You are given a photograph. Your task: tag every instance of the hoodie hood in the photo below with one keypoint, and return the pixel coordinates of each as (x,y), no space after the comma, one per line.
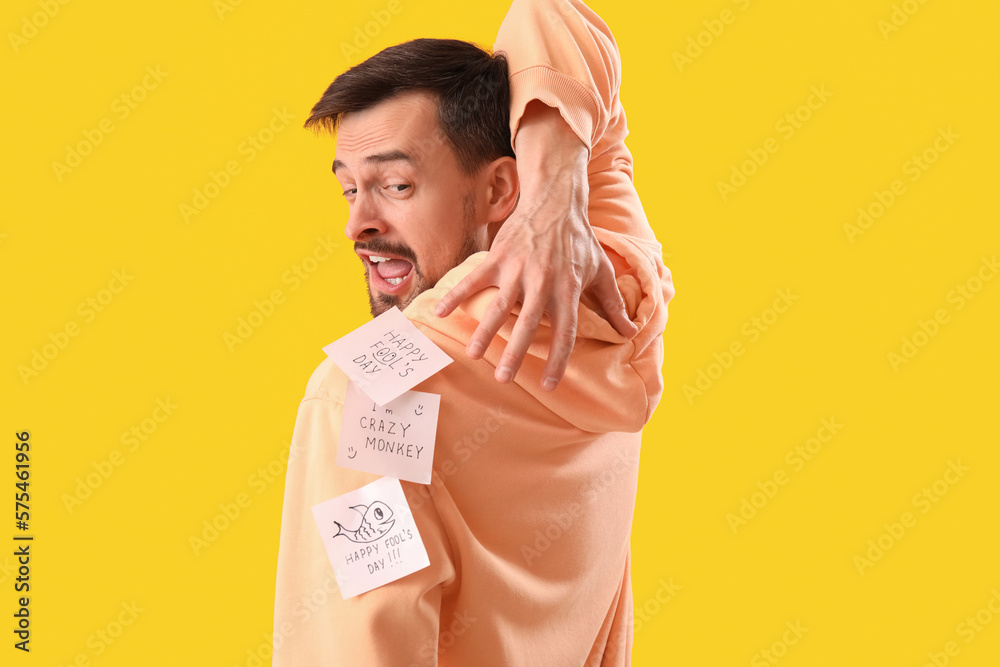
(611,383)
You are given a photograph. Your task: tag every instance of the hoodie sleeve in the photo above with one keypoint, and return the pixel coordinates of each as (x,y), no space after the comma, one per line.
(396,624)
(563,54)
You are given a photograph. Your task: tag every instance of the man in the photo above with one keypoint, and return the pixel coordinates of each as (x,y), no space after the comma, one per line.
(527,519)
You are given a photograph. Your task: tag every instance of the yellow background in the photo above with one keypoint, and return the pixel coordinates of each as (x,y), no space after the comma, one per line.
(162,336)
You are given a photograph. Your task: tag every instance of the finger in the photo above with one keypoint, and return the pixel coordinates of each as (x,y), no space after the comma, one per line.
(564,322)
(496,315)
(482,276)
(524,332)
(605,289)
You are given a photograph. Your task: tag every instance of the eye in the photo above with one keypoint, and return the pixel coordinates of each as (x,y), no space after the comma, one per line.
(350,192)
(378,513)
(398,187)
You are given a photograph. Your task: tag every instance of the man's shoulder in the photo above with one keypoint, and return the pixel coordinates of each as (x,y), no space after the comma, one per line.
(461,323)
(327,381)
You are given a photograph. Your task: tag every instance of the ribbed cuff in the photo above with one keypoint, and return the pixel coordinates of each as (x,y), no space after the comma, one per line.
(575,103)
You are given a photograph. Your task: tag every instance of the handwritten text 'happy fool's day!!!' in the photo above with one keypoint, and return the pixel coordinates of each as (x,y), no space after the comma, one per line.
(370,537)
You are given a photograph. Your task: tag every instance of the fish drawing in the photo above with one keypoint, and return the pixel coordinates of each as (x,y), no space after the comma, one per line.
(376,521)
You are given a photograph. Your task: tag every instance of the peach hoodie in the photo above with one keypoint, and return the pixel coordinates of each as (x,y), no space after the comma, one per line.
(527,518)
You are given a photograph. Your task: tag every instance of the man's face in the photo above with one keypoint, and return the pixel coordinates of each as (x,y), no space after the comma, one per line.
(412,210)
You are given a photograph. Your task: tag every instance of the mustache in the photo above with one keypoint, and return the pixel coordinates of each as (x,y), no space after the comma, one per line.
(380,246)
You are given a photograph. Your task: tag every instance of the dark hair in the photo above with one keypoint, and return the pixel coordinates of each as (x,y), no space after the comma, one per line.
(471,85)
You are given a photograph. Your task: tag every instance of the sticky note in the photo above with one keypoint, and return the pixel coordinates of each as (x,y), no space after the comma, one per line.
(395,439)
(370,537)
(387,356)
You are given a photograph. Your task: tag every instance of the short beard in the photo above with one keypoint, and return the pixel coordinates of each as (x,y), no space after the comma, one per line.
(378,302)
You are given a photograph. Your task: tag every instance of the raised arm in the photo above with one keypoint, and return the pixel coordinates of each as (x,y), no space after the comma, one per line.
(564,73)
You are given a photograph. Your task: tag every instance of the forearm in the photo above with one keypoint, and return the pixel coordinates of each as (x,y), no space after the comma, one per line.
(551,162)
(546,146)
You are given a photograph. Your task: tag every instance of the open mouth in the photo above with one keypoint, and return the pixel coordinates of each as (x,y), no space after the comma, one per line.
(390,275)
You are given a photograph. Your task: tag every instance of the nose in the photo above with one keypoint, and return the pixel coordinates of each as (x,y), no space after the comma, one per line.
(365,220)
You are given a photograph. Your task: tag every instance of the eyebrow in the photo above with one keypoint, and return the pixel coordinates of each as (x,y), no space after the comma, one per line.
(378,158)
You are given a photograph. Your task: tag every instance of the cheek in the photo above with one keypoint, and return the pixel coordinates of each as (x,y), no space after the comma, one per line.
(434,232)
(435,226)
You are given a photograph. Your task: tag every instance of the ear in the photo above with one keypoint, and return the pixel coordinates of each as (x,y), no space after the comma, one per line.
(502,190)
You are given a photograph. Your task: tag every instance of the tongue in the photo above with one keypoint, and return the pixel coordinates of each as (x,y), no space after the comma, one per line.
(393,268)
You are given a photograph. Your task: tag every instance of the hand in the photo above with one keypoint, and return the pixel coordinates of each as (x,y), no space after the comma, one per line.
(545,256)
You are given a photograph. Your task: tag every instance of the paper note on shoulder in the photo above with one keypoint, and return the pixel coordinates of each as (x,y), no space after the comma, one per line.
(395,439)
(387,356)
(370,537)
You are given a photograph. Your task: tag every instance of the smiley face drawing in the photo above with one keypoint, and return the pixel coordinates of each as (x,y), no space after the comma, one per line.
(351,453)
(419,410)
(376,521)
